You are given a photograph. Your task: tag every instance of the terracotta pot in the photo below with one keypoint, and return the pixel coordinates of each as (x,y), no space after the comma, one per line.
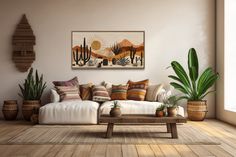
(115,112)
(159,113)
(172,111)
(10,109)
(28,107)
(197,110)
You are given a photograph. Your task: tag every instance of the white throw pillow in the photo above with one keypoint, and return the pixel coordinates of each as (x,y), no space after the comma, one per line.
(54,96)
(153,91)
(163,95)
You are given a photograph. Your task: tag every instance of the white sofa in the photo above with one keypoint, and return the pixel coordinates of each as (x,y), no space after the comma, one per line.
(69,112)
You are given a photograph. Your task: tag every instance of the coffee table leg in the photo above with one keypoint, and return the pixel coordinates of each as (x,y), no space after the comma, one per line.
(168,127)
(174,133)
(109,130)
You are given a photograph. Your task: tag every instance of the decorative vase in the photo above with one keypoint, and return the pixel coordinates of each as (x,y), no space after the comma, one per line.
(197,110)
(159,113)
(10,109)
(115,112)
(28,107)
(172,111)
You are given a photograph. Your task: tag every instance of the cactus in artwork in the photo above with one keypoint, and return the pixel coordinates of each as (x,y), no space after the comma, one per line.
(132,53)
(116,49)
(85,54)
(139,59)
(123,61)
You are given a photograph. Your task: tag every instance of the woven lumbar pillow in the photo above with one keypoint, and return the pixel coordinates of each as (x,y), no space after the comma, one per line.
(137,90)
(119,92)
(68,93)
(100,93)
(153,91)
(86,91)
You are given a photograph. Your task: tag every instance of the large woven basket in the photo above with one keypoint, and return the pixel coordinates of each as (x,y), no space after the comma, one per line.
(197,110)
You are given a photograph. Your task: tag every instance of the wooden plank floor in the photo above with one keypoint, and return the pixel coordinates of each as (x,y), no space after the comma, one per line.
(223,132)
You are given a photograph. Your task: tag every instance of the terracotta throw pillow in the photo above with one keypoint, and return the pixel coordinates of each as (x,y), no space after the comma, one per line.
(100,93)
(68,93)
(153,91)
(119,92)
(72,82)
(137,90)
(86,91)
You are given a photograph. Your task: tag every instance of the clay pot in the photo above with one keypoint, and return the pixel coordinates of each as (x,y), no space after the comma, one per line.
(10,109)
(159,113)
(172,111)
(28,107)
(115,112)
(197,110)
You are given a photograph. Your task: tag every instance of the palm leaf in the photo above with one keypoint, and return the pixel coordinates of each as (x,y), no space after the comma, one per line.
(193,64)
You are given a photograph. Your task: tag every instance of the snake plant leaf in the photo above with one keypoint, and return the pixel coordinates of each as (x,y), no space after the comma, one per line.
(209,83)
(193,64)
(180,72)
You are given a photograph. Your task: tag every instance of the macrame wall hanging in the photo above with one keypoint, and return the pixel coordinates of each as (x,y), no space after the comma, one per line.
(23,42)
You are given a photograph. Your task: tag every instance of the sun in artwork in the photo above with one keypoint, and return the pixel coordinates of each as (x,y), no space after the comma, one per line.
(96,45)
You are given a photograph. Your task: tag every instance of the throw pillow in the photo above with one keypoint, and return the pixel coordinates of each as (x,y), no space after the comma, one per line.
(100,93)
(108,86)
(86,91)
(137,90)
(73,82)
(119,92)
(54,96)
(68,93)
(153,91)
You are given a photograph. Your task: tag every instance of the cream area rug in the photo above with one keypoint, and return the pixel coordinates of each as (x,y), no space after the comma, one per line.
(122,134)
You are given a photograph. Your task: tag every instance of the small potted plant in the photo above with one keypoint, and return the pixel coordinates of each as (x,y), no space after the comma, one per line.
(115,110)
(172,107)
(31,92)
(160,111)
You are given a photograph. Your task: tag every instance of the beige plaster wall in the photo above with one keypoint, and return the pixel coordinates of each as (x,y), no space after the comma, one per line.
(171,27)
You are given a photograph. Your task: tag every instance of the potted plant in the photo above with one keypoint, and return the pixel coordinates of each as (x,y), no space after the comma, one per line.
(193,87)
(172,106)
(115,110)
(31,92)
(160,111)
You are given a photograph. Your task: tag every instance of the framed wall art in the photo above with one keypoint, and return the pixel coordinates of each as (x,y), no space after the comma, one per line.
(108,50)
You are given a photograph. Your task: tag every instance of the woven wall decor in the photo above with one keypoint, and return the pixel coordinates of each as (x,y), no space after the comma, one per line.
(23,42)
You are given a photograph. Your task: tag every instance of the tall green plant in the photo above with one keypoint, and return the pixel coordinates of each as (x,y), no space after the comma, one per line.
(192,86)
(33,87)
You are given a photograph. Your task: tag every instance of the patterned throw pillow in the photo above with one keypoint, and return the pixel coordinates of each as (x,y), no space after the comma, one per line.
(68,93)
(72,82)
(153,91)
(137,90)
(86,91)
(100,93)
(119,92)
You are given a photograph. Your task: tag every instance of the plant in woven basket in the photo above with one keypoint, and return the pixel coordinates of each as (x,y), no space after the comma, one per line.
(193,86)
(31,92)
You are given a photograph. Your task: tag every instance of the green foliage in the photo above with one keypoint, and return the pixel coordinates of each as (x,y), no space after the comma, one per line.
(192,86)
(33,87)
(116,104)
(161,107)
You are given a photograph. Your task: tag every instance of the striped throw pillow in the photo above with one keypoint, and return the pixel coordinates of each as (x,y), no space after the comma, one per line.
(86,91)
(137,90)
(119,92)
(100,93)
(68,93)
(72,82)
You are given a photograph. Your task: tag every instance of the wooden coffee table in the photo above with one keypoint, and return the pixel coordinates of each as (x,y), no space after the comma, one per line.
(132,119)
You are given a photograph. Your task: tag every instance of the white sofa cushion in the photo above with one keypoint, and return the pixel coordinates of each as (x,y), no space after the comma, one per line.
(135,107)
(54,96)
(69,112)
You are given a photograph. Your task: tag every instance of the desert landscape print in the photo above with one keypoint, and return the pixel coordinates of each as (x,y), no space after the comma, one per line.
(108,49)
